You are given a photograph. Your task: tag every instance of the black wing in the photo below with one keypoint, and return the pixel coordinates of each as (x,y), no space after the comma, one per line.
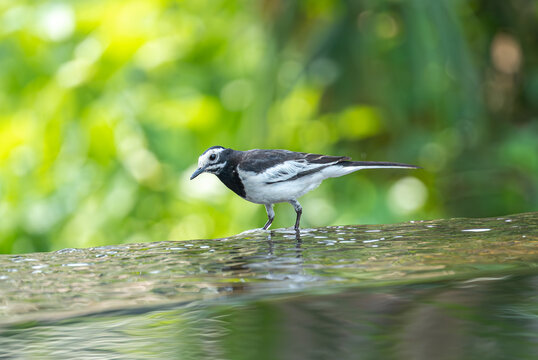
(260,160)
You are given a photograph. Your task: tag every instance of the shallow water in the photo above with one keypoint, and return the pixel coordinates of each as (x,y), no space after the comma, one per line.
(447,289)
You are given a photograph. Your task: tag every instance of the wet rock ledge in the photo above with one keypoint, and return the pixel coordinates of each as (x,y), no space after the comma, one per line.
(134,277)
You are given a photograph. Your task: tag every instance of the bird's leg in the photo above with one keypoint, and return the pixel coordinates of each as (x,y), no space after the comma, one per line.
(270,215)
(298,210)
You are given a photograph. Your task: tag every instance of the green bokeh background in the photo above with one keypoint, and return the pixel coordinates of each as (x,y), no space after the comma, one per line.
(106,105)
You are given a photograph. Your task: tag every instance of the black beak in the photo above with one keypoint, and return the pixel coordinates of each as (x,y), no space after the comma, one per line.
(197,172)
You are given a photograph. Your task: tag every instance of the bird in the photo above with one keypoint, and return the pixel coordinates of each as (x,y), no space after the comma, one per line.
(275,176)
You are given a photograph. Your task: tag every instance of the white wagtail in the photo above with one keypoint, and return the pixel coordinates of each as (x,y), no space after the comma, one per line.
(274,176)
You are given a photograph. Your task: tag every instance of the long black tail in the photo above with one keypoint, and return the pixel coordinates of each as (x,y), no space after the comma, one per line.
(378,164)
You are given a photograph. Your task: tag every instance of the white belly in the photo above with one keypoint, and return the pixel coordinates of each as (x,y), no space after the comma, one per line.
(257,191)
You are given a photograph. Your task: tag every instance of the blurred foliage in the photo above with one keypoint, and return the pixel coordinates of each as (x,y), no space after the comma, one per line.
(106,106)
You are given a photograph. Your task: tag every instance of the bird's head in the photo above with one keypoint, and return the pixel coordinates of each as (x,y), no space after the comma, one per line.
(212,161)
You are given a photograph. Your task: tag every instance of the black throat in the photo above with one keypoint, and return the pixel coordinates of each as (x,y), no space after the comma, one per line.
(229,175)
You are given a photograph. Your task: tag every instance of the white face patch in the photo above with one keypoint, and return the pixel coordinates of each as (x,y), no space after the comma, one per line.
(211,161)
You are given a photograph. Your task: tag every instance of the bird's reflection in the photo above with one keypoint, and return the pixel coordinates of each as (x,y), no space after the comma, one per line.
(271,244)
(276,256)
(298,243)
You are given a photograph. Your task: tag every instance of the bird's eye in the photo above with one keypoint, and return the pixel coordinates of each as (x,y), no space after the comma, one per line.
(212,157)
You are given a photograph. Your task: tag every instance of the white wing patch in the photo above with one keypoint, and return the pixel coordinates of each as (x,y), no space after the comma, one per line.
(288,170)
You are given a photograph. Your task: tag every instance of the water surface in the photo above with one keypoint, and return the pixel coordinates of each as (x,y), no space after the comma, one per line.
(453,289)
